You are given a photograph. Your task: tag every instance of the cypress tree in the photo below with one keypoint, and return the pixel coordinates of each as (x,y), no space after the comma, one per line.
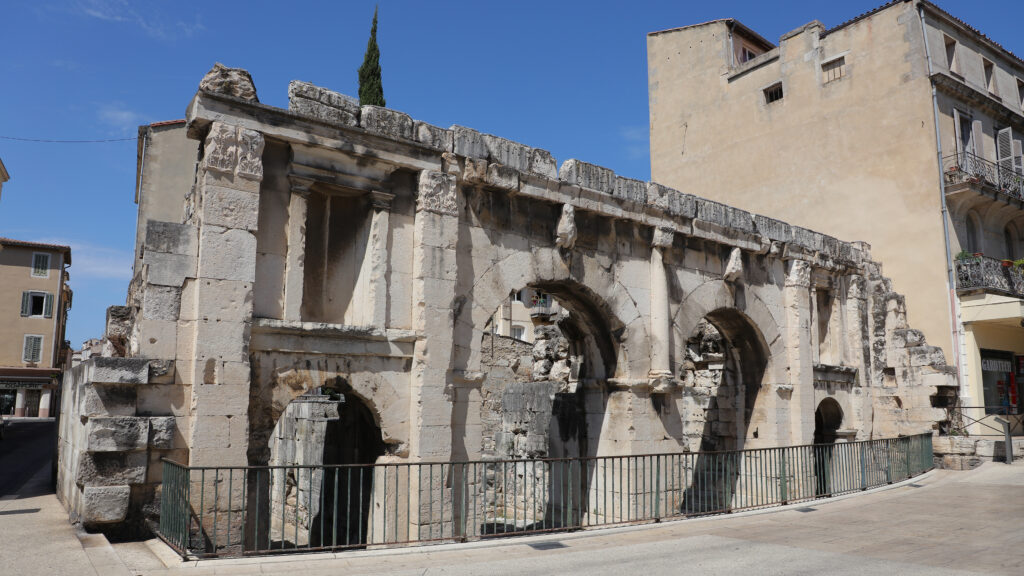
(371,90)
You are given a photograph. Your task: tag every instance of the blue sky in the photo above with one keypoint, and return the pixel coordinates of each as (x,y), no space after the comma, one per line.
(566,76)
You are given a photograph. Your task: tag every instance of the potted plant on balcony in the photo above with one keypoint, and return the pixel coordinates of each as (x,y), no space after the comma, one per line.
(1019,263)
(1007,263)
(964,256)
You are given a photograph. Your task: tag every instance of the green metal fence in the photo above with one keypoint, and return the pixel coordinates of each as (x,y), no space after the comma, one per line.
(232,511)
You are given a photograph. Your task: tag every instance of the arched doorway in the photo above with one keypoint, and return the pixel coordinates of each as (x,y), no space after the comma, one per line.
(828,418)
(726,360)
(352,445)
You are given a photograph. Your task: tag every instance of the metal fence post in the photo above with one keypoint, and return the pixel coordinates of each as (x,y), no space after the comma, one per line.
(782,477)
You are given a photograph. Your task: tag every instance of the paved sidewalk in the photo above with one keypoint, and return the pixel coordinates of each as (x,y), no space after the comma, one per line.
(943,523)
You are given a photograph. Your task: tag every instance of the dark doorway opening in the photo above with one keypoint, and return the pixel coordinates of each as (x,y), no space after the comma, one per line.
(827,420)
(352,445)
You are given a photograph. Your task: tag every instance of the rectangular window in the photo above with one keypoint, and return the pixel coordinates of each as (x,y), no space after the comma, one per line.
(33,349)
(773,93)
(964,131)
(951,60)
(1020,93)
(37,304)
(518,332)
(999,384)
(990,77)
(746,54)
(833,69)
(40,265)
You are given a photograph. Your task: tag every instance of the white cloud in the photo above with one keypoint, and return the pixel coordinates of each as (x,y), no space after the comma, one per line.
(117,116)
(94,261)
(122,11)
(636,140)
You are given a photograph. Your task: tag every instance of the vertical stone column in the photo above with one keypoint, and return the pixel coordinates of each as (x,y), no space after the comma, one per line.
(294,274)
(855,347)
(660,374)
(799,351)
(44,403)
(434,280)
(19,402)
(379,233)
(220,299)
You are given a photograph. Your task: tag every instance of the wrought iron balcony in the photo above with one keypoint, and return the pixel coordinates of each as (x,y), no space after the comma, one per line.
(966,168)
(989,275)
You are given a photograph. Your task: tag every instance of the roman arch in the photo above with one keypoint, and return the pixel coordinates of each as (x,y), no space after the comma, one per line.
(354,253)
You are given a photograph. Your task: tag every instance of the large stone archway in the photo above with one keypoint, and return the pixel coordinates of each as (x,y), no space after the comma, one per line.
(331,242)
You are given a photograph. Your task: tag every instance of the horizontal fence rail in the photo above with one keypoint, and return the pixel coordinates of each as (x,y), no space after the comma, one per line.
(971,168)
(234,511)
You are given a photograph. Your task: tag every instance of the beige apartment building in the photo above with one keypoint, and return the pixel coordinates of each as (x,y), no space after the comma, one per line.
(901,127)
(34,301)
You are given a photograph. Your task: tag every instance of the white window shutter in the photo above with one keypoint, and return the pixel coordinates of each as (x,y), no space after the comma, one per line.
(26,303)
(48,305)
(1004,148)
(1018,157)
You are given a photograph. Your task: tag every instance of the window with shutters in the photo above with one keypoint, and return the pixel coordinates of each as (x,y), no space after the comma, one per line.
(37,304)
(833,69)
(951,58)
(33,348)
(40,265)
(965,132)
(990,77)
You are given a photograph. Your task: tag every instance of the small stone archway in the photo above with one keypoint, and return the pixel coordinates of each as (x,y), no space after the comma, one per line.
(828,419)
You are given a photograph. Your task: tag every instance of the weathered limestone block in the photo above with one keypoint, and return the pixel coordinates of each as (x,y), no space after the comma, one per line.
(116,434)
(565,234)
(111,468)
(925,355)
(587,175)
(432,136)
(119,370)
(230,208)
(171,238)
(671,201)
(475,171)
(227,254)
(906,338)
(161,303)
(105,504)
(773,229)
(234,82)
(312,101)
(169,269)
(501,176)
(630,189)
(161,432)
(100,399)
(386,122)
(734,267)
(437,193)
(724,215)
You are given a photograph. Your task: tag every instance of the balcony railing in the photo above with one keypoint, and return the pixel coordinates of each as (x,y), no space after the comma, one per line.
(990,275)
(963,167)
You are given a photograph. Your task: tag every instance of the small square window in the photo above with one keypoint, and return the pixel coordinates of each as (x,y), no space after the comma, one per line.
(518,332)
(773,93)
(40,265)
(833,69)
(33,348)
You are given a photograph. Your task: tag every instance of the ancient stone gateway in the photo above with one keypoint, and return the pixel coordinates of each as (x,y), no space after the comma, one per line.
(354,259)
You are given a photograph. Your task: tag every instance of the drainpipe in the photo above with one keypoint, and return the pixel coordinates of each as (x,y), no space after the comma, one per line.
(954,302)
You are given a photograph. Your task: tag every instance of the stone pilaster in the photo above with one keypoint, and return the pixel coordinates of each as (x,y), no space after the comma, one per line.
(220,300)
(799,352)
(379,233)
(294,274)
(857,353)
(660,374)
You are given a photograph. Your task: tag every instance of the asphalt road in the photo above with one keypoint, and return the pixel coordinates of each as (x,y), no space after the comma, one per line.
(26,448)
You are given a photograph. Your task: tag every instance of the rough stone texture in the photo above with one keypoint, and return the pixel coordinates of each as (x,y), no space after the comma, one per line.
(104,504)
(378,264)
(234,82)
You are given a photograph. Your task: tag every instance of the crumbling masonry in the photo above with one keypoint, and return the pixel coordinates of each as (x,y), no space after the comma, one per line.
(353,252)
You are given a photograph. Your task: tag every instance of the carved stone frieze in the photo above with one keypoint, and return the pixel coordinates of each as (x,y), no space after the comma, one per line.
(437,193)
(250,154)
(663,238)
(734,267)
(799,274)
(234,150)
